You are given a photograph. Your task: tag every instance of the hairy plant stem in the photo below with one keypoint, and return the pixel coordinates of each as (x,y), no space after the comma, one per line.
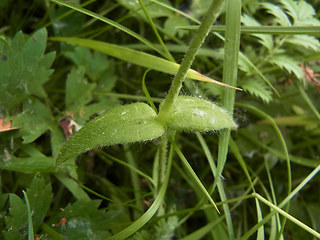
(197,40)
(163,158)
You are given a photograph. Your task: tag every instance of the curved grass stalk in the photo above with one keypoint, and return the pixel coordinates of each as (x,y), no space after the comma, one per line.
(30,225)
(282,204)
(132,168)
(140,222)
(214,171)
(284,146)
(194,175)
(110,22)
(230,70)
(166,51)
(286,215)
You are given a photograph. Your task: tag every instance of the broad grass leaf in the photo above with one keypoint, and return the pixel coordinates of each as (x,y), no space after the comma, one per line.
(195,114)
(137,57)
(23,69)
(125,124)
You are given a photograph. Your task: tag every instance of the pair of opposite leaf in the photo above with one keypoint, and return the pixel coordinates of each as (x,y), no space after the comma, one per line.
(138,122)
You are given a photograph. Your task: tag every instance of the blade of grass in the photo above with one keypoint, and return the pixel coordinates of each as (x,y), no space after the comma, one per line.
(146,92)
(72,186)
(105,155)
(137,57)
(110,22)
(236,152)
(283,145)
(200,233)
(213,167)
(282,204)
(135,182)
(135,226)
(30,224)
(213,54)
(274,30)
(193,174)
(93,192)
(274,198)
(169,56)
(230,70)
(308,101)
(48,230)
(306,162)
(287,216)
(67,13)
(176,11)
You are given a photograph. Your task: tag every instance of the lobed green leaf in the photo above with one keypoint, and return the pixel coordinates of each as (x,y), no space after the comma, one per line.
(23,69)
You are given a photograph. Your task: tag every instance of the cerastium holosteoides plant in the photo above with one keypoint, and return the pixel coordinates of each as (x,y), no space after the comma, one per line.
(112,192)
(138,122)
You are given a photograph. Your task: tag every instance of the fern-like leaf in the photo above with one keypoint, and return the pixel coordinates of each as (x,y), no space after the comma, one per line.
(257,88)
(285,62)
(302,13)
(264,39)
(280,16)
(305,41)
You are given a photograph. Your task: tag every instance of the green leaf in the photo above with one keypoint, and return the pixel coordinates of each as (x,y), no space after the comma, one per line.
(78,91)
(303,13)
(69,24)
(172,23)
(285,62)
(40,197)
(83,221)
(125,124)
(99,67)
(195,114)
(199,7)
(281,17)
(35,120)
(305,41)
(258,88)
(35,162)
(154,10)
(265,39)
(23,69)
(16,222)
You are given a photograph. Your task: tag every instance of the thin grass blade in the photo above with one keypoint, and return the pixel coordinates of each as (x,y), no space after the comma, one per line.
(137,57)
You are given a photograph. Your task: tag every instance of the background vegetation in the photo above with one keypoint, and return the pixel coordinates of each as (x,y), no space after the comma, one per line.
(265,186)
